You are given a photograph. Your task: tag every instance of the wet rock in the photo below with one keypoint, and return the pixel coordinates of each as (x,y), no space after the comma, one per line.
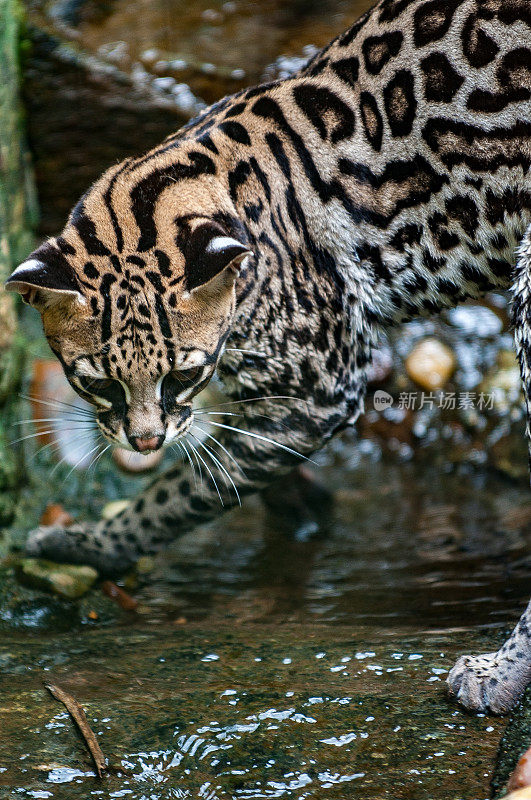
(476,320)
(503,383)
(67,580)
(115,507)
(509,455)
(520,794)
(93,75)
(430,364)
(245,708)
(381,366)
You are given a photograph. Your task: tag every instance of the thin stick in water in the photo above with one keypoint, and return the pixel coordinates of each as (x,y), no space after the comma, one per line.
(79,717)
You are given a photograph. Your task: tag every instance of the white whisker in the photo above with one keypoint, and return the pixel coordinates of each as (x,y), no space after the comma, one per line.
(220,466)
(58,404)
(201,481)
(48,432)
(41,420)
(232,414)
(255,400)
(95,460)
(80,461)
(213,413)
(261,438)
(185,451)
(227,452)
(249,352)
(194,449)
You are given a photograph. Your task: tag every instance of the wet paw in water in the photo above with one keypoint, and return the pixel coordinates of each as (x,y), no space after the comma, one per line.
(77,544)
(56,542)
(487,683)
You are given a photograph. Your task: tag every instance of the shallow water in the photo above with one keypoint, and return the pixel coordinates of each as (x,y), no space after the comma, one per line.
(261,666)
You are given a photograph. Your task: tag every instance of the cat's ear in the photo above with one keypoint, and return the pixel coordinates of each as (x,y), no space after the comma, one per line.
(44,278)
(213,258)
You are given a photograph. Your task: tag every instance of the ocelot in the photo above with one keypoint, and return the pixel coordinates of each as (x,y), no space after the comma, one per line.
(271,240)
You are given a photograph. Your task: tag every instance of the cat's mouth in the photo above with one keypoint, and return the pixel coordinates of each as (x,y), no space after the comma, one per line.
(144,440)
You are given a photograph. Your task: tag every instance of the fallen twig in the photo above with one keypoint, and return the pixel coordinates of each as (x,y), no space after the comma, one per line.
(79,717)
(123,599)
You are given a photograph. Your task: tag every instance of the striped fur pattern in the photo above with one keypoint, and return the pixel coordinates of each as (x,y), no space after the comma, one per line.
(273,238)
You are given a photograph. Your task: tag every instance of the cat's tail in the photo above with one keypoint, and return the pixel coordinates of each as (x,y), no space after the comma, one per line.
(521,314)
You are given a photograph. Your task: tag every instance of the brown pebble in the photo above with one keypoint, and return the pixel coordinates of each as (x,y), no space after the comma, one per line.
(117,594)
(430,364)
(55,514)
(180,621)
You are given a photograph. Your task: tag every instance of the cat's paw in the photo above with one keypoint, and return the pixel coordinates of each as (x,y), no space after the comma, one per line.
(59,544)
(487,683)
(80,544)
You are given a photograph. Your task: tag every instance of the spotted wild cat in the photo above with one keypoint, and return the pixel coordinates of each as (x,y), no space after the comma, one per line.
(272,239)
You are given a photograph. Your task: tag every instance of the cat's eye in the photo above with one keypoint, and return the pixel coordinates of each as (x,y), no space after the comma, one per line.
(98,385)
(187,377)
(103,388)
(179,382)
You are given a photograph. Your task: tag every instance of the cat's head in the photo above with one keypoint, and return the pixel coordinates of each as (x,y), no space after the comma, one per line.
(137,295)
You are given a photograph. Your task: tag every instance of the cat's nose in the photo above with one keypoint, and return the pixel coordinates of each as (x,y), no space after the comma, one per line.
(147,443)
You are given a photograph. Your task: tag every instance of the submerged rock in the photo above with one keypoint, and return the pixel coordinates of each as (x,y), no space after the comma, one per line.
(503,383)
(430,364)
(66,580)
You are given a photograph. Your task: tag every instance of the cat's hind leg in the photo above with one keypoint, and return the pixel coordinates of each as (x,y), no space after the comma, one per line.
(495,681)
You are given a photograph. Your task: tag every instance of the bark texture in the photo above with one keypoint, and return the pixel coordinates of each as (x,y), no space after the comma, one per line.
(17,217)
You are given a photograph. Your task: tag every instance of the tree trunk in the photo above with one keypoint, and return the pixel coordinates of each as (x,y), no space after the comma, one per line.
(17,216)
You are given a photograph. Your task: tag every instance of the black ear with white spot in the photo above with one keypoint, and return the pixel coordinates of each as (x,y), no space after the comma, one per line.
(45,277)
(211,252)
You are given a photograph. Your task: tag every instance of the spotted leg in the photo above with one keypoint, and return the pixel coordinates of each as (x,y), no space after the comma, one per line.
(222,468)
(495,681)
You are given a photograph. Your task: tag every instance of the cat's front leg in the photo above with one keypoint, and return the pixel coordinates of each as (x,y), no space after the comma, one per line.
(495,681)
(86,543)
(223,468)
(144,527)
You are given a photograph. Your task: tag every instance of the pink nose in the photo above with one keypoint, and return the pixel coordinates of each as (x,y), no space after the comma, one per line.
(146,443)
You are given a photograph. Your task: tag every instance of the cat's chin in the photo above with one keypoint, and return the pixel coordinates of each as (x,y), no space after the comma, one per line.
(133,462)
